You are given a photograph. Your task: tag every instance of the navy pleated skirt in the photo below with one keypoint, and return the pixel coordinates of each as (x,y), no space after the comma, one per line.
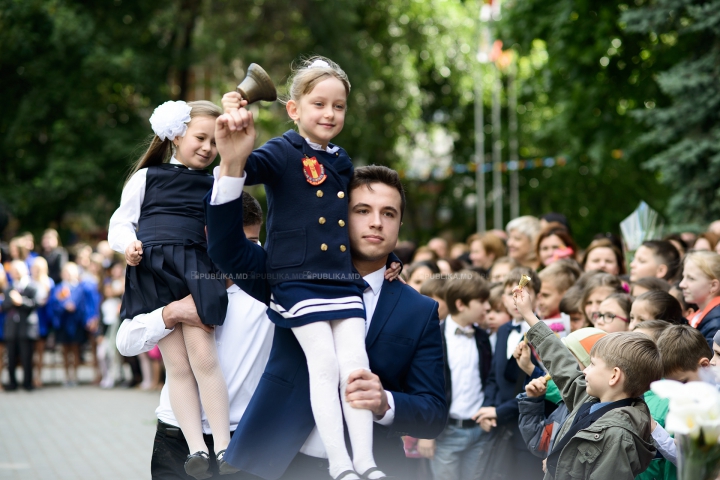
(168,273)
(297,303)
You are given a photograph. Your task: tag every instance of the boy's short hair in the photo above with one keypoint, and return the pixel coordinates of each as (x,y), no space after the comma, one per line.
(434,287)
(570,302)
(651,284)
(497,290)
(465,289)
(654,327)
(516,274)
(666,254)
(561,273)
(636,355)
(682,347)
(252,211)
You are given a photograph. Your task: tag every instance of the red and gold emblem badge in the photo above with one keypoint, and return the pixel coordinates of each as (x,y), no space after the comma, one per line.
(314,171)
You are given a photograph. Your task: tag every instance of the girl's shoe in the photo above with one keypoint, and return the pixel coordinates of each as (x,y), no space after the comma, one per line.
(224,467)
(345,474)
(198,465)
(366,475)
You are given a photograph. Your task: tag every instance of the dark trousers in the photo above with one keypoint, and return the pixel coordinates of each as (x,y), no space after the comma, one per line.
(171,450)
(24,349)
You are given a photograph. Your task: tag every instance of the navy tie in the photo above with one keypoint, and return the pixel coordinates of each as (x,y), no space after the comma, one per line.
(516,328)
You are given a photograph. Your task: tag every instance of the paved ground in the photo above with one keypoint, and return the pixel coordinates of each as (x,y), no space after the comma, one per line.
(76,433)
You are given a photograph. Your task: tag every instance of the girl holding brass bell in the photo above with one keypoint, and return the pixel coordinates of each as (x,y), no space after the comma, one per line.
(315,290)
(160,227)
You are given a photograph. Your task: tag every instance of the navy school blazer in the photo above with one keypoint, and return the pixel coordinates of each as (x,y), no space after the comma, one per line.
(404,347)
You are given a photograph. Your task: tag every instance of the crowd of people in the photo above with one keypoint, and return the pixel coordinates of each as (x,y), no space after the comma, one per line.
(670,292)
(65,301)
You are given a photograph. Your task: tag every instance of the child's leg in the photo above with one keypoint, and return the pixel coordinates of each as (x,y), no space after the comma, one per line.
(183,390)
(316,340)
(349,336)
(202,353)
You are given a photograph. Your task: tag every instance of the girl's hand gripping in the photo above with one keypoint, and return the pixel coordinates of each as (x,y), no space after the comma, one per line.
(133,253)
(523,304)
(393,272)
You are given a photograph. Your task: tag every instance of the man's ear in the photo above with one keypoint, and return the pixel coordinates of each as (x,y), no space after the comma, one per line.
(292,110)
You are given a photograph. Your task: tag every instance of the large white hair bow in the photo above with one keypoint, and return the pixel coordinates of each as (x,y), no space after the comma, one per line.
(170,119)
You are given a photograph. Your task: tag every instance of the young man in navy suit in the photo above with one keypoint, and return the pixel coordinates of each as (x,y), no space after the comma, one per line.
(404,388)
(508,456)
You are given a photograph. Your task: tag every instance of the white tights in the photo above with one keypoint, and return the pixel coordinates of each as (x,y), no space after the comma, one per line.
(334,350)
(191,363)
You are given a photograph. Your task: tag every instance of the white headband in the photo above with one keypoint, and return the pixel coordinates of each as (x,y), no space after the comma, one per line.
(170,120)
(319,64)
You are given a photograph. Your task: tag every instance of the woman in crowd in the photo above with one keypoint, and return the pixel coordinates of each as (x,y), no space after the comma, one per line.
(484,250)
(553,243)
(522,235)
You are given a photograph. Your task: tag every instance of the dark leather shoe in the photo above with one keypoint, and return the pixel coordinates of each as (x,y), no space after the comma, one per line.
(198,465)
(224,468)
(345,474)
(366,475)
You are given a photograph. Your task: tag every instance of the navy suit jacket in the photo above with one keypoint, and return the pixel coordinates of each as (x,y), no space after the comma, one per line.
(404,347)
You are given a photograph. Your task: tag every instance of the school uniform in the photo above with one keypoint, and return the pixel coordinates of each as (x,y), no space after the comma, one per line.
(165,204)
(468,357)
(509,457)
(69,326)
(308,267)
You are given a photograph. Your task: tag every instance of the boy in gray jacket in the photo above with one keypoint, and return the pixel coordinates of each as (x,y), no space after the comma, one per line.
(607,434)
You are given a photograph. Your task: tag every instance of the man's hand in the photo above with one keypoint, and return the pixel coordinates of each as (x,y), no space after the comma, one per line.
(70,306)
(183,311)
(524,358)
(235,139)
(524,305)
(484,412)
(365,391)
(133,253)
(426,448)
(536,388)
(487,424)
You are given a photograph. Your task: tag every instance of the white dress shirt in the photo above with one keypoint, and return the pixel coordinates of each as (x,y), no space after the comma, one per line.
(243,346)
(226,189)
(493,340)
(464,363)
(665,444)
(124,222)
(515,337)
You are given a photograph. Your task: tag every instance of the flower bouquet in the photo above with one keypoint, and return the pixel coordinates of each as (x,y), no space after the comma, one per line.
(694,418)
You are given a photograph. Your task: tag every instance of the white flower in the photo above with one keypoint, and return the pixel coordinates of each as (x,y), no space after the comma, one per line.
(319,64)
(170,120)
(694,408)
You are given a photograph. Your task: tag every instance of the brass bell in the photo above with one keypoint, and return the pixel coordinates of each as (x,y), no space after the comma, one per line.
(257,85)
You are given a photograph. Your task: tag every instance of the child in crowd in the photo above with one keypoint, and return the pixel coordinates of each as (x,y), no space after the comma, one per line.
(609,424)
(499,415)
(570,305)
(538,431)
(458,450)
(418,272)
(501,268)
(497,314)
(656,305)
(602,255)
(652,328)
(597,287)
(45,285)
(435,288)
(557,278)
(326,317)
(67,303)
(655,258)
(688,309)
(614,313)
(701,285)
(645,284)
(160,227)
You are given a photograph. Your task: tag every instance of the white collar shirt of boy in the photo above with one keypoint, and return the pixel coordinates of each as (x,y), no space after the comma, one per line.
(493,341)
(314,446)
(464,363)
(514,337)
(317,146)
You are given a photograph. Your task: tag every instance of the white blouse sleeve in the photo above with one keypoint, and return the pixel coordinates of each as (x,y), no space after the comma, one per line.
(665,444)
(123,223)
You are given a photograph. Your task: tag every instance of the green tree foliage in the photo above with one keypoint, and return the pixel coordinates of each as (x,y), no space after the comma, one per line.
(686,130)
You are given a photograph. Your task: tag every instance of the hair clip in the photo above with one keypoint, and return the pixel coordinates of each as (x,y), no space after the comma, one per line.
(170,120)
(319,64)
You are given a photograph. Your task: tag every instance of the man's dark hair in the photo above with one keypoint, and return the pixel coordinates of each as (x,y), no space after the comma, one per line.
(252,211)
(378,174)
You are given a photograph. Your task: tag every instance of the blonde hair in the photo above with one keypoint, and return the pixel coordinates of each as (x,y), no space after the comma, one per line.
(707,262)
(305,77)
(635,354)
(159,151)
(492,244)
